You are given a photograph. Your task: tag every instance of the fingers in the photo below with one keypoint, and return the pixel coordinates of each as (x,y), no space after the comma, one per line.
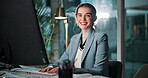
(47,69)
(54,70)
(43,70)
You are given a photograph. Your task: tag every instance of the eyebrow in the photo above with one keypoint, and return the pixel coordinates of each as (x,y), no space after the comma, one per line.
(86,13)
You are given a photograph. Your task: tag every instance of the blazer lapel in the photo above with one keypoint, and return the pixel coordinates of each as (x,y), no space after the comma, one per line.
(76,45)
(88,44)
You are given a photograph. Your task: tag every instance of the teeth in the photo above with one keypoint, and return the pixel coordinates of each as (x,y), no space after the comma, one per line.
(83,23)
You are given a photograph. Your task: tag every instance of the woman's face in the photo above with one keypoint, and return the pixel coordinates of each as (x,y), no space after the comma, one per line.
(84,18)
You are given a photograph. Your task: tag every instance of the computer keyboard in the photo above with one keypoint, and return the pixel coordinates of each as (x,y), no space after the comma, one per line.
(31,70)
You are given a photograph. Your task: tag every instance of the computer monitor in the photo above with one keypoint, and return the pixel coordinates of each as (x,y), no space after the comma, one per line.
(21,41)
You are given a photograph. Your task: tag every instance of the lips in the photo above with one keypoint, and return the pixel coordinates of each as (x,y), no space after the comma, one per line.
(83,23)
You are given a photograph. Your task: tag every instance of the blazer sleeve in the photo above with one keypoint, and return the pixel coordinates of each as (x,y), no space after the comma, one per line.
(101,59)
(66,54)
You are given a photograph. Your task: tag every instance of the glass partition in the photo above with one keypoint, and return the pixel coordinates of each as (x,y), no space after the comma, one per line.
(136,40)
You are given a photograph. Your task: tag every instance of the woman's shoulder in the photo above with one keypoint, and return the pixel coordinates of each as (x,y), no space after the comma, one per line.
(100,34)
(74,36)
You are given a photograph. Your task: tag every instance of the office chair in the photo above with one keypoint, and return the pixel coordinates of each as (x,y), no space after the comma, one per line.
(115,69)
(142,72)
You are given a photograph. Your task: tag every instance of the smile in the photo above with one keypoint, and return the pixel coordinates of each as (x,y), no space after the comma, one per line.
(83,23)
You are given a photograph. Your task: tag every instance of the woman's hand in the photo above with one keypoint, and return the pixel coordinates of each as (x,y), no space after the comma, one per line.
(50,70)
(47,69)
(54,70)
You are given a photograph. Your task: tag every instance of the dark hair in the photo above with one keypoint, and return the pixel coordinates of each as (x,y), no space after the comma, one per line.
(87,5)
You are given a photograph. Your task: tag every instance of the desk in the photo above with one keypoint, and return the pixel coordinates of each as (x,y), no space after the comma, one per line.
(22,73)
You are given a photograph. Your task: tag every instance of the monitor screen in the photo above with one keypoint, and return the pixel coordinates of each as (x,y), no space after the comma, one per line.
(20,37)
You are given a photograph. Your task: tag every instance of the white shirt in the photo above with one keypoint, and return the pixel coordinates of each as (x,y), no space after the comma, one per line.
(78,57)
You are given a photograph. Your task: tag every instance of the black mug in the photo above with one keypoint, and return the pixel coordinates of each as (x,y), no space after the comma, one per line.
(65,69)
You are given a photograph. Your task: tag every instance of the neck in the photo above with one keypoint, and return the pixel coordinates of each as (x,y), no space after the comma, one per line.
(85,31)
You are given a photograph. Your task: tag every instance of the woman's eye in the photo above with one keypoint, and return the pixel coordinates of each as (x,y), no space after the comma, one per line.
(88,15)
(79,15)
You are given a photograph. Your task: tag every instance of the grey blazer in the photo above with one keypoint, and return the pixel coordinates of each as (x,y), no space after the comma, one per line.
(95,53)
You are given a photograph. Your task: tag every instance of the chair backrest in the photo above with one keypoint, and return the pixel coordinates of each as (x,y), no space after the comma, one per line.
(115,69)
(142,72)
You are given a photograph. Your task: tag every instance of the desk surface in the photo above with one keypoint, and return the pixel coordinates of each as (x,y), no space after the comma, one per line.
(27,72)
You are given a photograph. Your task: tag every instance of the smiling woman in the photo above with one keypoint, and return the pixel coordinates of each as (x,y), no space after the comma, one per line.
(85,17)
(88,50)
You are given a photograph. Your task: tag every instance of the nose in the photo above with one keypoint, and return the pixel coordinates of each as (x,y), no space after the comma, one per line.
(83,18)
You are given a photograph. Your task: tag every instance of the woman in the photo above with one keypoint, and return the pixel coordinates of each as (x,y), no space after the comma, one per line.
(88,50)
